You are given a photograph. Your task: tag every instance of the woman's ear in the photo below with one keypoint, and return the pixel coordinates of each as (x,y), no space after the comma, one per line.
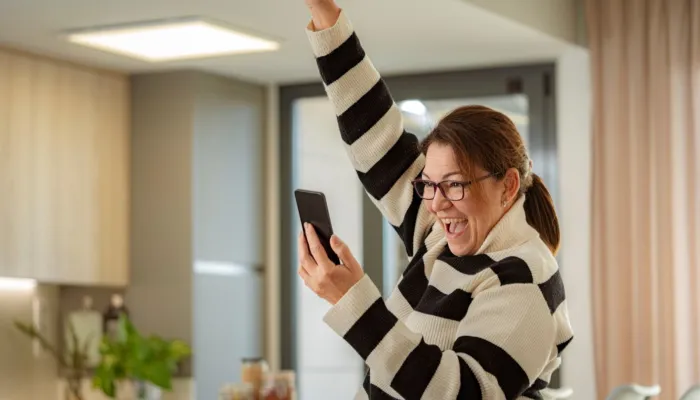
(511,182)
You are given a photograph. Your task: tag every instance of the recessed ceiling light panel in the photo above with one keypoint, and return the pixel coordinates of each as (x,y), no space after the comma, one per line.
(172,40)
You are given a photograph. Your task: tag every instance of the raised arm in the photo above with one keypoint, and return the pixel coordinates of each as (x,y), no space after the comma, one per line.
(385,157)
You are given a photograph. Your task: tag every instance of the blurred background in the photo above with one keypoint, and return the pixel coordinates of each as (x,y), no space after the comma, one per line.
(149,151)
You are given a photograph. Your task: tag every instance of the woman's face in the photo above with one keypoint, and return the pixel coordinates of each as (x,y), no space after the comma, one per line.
(468,221)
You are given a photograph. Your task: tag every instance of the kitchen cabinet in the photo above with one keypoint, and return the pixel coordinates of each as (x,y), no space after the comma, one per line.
(64,141)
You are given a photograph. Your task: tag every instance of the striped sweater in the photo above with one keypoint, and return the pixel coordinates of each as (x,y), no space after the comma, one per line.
(487,326)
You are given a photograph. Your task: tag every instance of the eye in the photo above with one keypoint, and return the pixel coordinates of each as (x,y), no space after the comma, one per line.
(455,184)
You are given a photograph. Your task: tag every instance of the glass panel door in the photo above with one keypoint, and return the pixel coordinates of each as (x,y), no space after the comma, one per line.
(326,366)
(420,116)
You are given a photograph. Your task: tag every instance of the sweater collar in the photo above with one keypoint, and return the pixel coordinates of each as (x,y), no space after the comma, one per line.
(512,230)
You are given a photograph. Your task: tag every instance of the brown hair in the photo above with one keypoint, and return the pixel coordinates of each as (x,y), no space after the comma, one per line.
(482,136)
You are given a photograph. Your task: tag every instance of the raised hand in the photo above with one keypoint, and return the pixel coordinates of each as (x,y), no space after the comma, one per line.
(327,280)
(316,3)
(323,12)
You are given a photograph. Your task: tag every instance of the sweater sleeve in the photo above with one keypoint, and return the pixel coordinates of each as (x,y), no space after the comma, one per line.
(502,344)
(385,157)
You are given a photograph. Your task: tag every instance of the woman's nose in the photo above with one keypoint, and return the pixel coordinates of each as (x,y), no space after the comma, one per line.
(439,202)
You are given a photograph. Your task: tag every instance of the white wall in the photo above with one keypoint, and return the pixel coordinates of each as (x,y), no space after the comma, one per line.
(557,18)
(327,366)
(227,230)
(574,147)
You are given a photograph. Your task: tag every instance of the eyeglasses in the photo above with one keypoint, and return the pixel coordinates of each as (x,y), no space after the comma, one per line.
(451,190)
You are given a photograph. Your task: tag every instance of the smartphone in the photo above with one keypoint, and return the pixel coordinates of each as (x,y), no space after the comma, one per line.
(313,209)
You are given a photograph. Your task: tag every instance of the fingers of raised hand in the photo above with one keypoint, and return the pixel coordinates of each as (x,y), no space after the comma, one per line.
(304,275)
(306,260)
(345,255)
(317,250)
(320,280)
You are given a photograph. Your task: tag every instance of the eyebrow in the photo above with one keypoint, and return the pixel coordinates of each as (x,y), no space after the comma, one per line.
(444,176)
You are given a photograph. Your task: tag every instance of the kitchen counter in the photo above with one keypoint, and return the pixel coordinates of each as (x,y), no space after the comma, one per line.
(183,389)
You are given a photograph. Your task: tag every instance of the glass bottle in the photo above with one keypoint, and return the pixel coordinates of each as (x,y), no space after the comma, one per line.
(253,371)
(278,386)
(238,391)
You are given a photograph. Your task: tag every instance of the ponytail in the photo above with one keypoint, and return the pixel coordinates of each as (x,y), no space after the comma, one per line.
(541,215)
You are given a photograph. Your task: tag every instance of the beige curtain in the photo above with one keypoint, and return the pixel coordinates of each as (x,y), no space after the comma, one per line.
(646,192)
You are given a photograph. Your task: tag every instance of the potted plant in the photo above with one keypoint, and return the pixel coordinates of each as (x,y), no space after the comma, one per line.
(73,361)
(144,363)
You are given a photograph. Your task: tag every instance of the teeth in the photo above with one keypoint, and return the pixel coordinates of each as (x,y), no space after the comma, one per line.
(451,223)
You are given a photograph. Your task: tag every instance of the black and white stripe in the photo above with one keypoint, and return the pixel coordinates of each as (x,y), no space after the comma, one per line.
(384,155)
(486,326)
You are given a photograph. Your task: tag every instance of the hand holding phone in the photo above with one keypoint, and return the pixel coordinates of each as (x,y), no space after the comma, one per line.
(313,209)
(327,277)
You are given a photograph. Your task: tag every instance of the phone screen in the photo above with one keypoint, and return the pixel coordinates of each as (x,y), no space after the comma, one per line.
(313,209)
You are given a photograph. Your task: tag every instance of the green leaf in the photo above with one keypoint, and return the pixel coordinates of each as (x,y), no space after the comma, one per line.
(132,356)
(104,379)
(179,350)
(160,375)
(110,388)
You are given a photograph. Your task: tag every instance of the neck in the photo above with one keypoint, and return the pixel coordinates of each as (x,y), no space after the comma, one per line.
(511,230)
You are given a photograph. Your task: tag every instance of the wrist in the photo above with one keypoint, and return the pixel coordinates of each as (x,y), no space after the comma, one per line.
(341,293)
(324,15)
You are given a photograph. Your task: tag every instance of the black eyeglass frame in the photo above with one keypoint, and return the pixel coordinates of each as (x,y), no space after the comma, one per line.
(465,185)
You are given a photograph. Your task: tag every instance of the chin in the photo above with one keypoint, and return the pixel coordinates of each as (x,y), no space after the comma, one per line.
(460,249)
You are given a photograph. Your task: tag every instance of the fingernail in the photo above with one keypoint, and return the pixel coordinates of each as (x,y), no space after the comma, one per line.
(335,240)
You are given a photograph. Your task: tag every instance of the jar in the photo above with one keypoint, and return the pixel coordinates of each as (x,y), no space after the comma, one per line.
(253,372)
(290,378)
(279,386)
(238,391)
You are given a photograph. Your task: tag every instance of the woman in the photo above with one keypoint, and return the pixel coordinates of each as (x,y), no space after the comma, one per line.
(479,312)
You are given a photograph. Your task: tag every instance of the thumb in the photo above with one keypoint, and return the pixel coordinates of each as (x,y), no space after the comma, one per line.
(338,245)
(343,252)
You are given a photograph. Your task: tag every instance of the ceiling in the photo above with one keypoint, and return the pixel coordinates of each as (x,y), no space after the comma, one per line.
(402,36)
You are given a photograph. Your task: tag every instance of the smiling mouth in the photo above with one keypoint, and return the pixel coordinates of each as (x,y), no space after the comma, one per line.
(455,226)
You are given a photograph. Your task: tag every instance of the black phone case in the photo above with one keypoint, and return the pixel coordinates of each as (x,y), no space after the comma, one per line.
(313,209)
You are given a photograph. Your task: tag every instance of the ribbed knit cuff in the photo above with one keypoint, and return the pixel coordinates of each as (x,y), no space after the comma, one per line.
(323,42)
(348,310)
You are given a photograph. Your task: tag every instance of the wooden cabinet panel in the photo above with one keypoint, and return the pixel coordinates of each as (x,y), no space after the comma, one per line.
(64,147)
(6,235)
(112,177)
(17,228)
(46,179)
